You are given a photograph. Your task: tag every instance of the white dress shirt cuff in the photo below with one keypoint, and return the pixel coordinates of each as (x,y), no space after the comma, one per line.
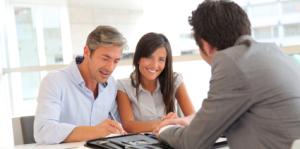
(166,127)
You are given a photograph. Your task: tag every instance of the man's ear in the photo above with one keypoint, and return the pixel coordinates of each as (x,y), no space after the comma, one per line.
(207,47)
(86,52)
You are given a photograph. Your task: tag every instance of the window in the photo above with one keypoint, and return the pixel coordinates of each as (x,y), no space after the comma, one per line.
(296,57)
(265,32)
(264,10)
(40,32)
(52,36)
(291,6)
(26,37)
(28,53)
(291,30)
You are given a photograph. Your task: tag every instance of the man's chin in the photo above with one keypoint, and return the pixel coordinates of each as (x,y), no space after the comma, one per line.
(102,80)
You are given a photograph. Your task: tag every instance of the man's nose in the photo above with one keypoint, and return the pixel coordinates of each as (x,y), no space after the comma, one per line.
(110,66)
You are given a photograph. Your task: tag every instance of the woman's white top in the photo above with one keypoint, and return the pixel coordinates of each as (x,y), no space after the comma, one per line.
(148,106)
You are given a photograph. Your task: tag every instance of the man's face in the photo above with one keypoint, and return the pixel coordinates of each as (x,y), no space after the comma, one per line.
(103,61)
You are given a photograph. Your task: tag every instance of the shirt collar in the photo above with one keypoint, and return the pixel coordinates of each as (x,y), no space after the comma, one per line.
(75,73)
(242,39)
(141,89)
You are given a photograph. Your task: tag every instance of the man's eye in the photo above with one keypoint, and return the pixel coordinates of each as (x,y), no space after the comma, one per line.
(105,59)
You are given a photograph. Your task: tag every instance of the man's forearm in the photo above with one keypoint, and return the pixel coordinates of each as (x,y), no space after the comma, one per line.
(83,133)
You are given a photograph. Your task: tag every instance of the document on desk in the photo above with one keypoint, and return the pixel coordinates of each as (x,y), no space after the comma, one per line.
(221,142)
(113,135)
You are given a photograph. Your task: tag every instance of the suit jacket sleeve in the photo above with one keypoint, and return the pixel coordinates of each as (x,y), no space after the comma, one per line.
(228,98)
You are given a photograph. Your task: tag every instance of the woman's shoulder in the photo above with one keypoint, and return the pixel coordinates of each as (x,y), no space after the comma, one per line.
(124,81)
(177,76)
(124,84)
(178,79)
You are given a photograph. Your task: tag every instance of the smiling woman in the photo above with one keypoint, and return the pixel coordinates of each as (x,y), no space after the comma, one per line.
(153,89)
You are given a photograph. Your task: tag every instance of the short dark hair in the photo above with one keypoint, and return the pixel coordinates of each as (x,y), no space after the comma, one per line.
(220,23)
(105,36)
(147,45)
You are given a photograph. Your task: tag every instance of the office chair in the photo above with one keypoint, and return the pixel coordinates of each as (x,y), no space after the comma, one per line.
(27,129)
(23,130)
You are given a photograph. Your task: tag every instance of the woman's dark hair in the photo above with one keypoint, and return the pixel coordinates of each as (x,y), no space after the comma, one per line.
(145,47)
(220,23)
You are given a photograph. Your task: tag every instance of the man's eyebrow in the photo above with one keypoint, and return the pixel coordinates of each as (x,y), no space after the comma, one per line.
(107,56)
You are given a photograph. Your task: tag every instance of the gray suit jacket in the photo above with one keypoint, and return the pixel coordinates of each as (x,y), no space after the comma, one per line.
(254,99)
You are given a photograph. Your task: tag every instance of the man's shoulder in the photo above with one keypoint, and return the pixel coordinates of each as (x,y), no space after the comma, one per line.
(58,75)
(241,52)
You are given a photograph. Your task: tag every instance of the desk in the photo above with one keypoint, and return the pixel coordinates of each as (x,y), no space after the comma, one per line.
(75,145)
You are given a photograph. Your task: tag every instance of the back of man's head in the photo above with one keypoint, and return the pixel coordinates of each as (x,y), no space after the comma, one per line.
(220,23)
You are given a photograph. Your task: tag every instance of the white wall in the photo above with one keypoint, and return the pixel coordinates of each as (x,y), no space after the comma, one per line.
(196,75)
(83,19)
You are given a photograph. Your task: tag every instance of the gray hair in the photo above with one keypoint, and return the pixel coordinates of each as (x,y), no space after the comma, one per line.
(105,36)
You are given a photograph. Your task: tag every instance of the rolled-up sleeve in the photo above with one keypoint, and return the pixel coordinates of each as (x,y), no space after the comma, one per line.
(47,127)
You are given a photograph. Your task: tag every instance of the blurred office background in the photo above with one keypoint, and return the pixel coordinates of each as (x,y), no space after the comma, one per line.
(37,36)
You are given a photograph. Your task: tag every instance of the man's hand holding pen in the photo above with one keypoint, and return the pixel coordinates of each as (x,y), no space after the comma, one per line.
(116,124)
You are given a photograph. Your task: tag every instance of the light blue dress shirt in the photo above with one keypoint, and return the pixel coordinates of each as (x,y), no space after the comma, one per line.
(64,102)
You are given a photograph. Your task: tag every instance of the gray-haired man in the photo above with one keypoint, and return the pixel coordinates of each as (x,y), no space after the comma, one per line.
(74,103)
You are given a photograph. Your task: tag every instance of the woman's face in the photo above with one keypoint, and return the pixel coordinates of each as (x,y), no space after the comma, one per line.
(151,67)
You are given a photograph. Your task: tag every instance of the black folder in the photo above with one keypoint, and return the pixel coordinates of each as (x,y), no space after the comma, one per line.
(129,141)
(136,141)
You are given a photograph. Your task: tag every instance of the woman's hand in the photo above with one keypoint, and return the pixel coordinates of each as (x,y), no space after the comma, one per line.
(170,115)
(171,120)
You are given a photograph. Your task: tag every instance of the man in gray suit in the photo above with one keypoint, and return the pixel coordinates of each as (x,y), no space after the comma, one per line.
(254,95)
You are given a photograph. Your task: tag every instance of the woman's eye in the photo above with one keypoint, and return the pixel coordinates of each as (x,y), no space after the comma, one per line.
(162,60)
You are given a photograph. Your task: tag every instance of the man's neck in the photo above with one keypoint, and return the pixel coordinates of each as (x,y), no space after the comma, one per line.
(89,82)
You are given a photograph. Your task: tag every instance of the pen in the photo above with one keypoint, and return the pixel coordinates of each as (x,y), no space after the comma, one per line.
(111,116)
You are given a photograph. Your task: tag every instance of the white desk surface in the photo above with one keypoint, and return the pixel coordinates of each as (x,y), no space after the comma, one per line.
(80,145)
(75,145)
